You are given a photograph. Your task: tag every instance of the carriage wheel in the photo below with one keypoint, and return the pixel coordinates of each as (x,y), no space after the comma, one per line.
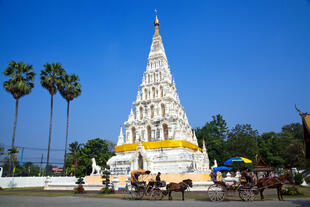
(253,192)
(244,195)
(216,192)
(247,194)
(137,193)
(156,194)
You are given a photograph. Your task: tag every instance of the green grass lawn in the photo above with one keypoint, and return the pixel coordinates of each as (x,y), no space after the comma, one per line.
(189,195)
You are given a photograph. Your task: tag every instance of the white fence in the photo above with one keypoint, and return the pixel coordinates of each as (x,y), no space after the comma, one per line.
(21,182)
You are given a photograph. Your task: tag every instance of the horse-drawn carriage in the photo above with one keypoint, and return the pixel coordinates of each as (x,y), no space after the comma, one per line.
(142,185)
(246,190)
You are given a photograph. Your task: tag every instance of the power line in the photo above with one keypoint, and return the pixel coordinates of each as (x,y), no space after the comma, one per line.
(36,148)
(55,163)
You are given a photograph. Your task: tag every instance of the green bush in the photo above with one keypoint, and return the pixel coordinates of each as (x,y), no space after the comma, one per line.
(80,181)
(307,179)
(298,179)
(106,183)
(79,188)
(291,190)
(106,190)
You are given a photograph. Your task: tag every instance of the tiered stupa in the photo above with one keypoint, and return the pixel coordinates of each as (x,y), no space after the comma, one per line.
(158,136)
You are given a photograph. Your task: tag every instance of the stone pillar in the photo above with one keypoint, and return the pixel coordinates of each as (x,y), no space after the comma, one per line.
(128,183)
(115,182)
(47,182)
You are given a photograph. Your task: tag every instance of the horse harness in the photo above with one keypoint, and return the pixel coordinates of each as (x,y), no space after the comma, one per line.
(277,183)
(184,185)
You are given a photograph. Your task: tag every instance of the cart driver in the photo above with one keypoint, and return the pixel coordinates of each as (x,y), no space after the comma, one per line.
(247,176)
(158,181)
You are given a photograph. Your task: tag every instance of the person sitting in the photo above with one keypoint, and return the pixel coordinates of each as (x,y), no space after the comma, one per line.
(158,181)
(213,175)
(245,174)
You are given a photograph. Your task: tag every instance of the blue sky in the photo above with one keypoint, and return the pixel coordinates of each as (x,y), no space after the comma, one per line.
(247,60)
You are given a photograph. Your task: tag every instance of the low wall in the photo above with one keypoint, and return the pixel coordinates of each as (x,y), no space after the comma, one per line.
(195,177)
(22,182)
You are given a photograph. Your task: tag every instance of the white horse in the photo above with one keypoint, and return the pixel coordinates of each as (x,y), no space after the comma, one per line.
(96,168)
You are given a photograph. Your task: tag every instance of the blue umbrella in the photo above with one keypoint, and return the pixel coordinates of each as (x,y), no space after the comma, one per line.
(221,168)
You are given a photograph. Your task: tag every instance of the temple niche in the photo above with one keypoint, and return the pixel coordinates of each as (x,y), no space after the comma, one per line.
(158,136)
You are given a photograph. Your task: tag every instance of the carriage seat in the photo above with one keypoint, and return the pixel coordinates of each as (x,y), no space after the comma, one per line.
(138,183)
(243,180)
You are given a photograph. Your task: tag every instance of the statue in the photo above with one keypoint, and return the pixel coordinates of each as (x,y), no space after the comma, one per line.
(215,164)
(95,168)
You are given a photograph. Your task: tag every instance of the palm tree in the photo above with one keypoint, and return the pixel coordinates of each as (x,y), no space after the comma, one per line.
(74,147)
(69,88)
(20,84)
(50,77)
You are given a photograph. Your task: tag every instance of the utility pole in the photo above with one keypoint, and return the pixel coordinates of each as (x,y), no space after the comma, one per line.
(41,164)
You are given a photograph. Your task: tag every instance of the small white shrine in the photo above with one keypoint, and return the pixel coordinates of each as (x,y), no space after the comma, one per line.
(158,136)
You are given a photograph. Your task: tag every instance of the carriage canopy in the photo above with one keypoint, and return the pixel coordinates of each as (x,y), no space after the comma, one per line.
(136,173)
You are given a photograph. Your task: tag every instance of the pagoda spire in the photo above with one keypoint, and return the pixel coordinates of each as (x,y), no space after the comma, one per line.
(131,115)
(157,47)
(156,24)
(204,149)
(194,138)
(121,136)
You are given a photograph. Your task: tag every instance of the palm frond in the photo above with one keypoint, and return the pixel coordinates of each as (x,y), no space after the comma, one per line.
(21,78)
(51,76)
(69,87)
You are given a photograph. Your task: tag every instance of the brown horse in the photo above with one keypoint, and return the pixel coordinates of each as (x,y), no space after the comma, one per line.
(179,187)
(273,182)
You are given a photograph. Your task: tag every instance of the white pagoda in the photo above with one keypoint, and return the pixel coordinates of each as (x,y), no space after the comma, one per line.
(158,136)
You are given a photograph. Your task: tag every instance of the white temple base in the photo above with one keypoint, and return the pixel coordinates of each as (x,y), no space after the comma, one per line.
(165,160)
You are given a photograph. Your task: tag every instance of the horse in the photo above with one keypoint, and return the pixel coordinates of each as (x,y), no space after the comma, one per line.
(179,187)
(95,167)
(273,182)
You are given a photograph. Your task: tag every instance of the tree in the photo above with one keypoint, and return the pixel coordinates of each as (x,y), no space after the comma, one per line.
(79,188)
(271,149)
(11,161)
(106,181)
(293,131)
(242,142)
(69,88)
(94,148)
(71,159)
(215,133)
(29,169)
(50,77)
(20,83)
(293,146)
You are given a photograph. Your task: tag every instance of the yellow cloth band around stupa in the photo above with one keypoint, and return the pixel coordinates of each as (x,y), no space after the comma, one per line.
(157,144)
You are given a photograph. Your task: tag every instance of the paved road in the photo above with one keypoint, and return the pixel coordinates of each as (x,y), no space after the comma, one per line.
(33,201)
